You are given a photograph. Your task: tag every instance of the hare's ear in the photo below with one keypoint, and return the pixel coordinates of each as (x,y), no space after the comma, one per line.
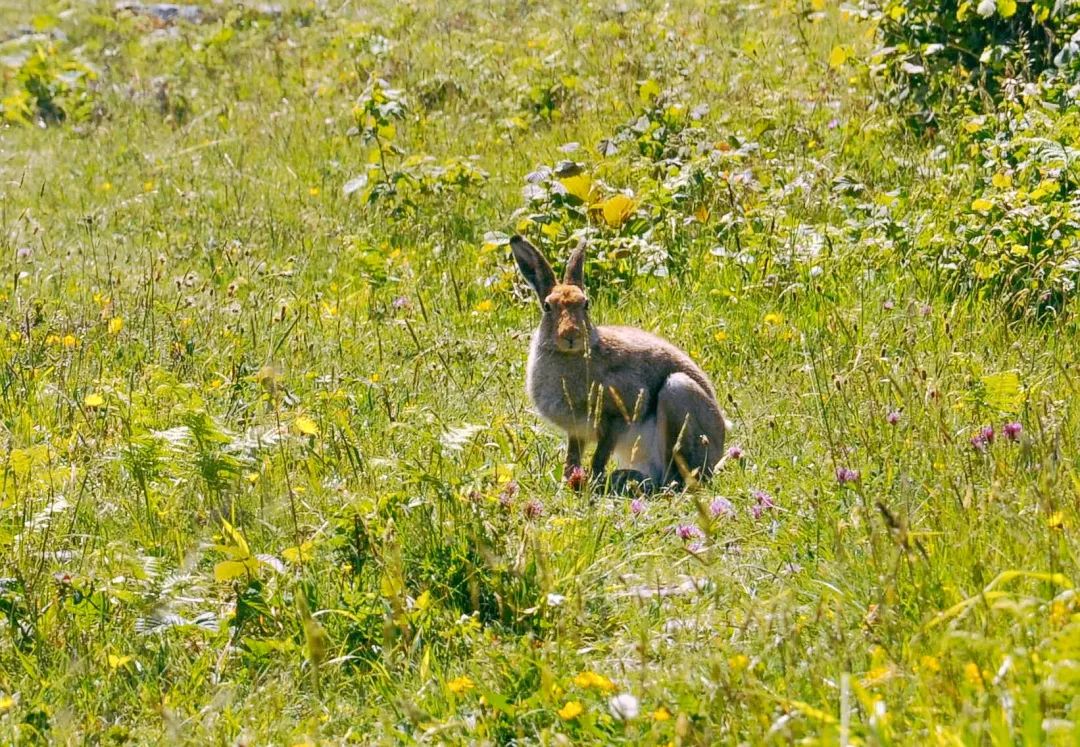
(533,266)
(575,267)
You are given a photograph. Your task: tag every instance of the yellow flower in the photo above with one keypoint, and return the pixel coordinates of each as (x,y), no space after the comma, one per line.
(306,426)
(982,205)
(70,341)
(973,675)
(738,662)
(877,675)
(94,400)
(774,317)
(661,714)
(571,710)
(313,191)
(115,662)
(485,306)
(115,325)
(929,664)
(720,335)
(617,209)
(460,685)
(590,679)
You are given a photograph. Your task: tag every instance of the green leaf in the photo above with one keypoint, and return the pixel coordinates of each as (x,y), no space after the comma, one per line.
(648,91)
(227,570)
(230,532)
(1003,391)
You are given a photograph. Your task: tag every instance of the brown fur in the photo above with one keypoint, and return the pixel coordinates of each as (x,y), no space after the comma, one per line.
(625,389)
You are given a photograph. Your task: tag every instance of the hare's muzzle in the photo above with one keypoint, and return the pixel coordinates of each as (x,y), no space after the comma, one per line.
(571,342)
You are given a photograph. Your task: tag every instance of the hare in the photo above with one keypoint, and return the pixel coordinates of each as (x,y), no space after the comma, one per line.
(634,394)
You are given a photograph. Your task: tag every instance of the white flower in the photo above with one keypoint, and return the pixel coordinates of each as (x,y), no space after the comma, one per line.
(986,8)
(624,707)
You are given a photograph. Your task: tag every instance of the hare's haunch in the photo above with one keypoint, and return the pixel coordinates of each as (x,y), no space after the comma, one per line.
(634,394)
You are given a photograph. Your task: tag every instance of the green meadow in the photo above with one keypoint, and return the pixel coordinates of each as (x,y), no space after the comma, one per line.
(269,471)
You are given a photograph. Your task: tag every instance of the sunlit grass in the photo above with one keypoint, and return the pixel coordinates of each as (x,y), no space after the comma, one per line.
(270,471)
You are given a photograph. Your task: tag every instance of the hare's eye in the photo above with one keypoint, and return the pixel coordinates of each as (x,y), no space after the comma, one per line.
(547,307)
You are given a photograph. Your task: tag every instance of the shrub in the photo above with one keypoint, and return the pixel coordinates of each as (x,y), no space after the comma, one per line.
(45,85)
(937,52)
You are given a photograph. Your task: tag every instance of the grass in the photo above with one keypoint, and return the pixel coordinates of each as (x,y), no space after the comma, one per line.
(267,451)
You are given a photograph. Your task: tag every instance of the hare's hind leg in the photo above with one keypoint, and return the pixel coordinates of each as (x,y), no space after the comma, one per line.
(691,428)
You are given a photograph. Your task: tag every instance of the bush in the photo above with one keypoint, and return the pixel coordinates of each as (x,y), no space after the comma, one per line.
(45,85)
(937,53)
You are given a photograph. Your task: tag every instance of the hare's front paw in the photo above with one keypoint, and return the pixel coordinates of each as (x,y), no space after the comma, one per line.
(629,482)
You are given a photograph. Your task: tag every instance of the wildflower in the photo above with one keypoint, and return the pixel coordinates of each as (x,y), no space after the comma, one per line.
(591,680)
(401,302)
(888,305)
(983,438)
(834,123)
(624,707)
(533,509)
(571,710)
(735,453)
(460,685)
(688,531)
(576,478)
(637,506)
(24,252)
(844,475)
(1012,431)
(762,503)
(973,675)
(661,714)
(721,507)
(986,8)
(929,664)
(893,418)
(509,491)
